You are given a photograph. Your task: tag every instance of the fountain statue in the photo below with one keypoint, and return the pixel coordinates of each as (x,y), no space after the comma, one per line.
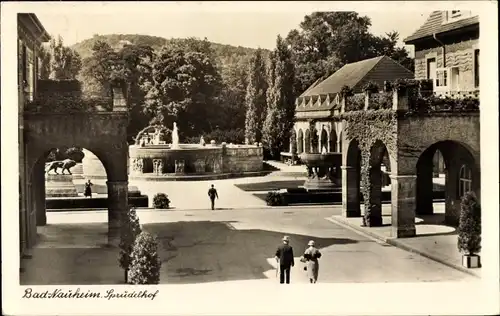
(175,137)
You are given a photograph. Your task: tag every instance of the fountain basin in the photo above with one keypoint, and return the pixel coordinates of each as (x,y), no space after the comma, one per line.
(323,171)
(161,162)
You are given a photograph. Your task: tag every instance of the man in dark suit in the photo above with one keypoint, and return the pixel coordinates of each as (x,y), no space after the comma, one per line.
(284,257)
(212,193)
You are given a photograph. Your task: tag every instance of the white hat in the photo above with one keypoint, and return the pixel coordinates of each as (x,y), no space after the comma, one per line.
(286,238)
(311,243)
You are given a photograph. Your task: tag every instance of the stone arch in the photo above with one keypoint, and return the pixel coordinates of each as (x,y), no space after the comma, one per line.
(373,216)
(456,155)
(323,140)
(351,180)
(307,141)
(300,141)
(333,141)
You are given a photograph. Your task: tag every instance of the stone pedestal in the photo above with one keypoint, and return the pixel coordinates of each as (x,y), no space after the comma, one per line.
(117,209)
(350,192)
(403,205)
(199,166)
(60,185)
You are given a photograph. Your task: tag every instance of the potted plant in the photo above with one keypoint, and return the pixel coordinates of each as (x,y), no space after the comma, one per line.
(469,231)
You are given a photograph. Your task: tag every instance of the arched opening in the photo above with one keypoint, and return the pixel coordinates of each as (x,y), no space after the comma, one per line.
(351,176)
(324,141)
(445,170)
(300,142)
(333,141)
(377,173)
(68,179)
(307,141)
(314,141)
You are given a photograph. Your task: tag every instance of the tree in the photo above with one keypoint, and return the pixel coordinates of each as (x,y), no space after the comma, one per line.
(45,56)
(184,87)
(130,229)
(97,69)
(65,63)
(281,100)
(145,265)
(255,99)
(328,40)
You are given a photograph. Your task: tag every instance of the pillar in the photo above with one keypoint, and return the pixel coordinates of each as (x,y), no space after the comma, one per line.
(338,146)
(117,207)
(403,205)
(41,212)
(350,192)
(425,188)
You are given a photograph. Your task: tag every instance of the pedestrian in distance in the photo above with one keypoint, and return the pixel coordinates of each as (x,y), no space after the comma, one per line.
(88,189)
(285,260)
(310,257)
(212,194)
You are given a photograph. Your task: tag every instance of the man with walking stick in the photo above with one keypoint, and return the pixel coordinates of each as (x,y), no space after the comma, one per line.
(284,258)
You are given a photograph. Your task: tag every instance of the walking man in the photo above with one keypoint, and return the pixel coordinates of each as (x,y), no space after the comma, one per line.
(212,193)
(284,257)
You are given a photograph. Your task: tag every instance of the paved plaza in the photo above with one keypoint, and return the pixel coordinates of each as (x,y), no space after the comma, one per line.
(199,246)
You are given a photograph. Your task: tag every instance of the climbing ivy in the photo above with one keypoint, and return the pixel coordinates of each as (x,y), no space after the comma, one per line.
(367,127)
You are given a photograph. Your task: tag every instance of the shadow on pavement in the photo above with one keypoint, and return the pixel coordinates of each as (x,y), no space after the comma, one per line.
(210,251)
(191,252)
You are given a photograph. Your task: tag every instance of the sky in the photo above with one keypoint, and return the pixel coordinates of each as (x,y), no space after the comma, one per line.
(248,26)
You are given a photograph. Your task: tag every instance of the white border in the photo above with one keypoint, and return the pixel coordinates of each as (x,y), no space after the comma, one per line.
(234,298)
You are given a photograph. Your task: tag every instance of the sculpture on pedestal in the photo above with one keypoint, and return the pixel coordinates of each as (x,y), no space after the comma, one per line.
(65,164)
(158,166)
(138,165)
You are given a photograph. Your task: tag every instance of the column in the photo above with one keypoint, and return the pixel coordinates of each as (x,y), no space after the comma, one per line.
(338,146)
(41,212)
(117,207)
(403,205)
(350,192)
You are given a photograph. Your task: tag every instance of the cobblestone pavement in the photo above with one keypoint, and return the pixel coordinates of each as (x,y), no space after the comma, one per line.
(201,246)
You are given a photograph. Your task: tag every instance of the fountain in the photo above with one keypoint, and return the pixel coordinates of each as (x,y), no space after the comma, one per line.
(157,160)
(323,171)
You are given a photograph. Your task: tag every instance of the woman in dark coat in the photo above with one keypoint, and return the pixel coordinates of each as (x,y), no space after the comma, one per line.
(311,256)
(88,189)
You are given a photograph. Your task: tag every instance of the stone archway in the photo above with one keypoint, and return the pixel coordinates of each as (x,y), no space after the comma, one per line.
(351,180)
(105,134)
(300,142)
(307,141)
(373,215)
(333,141)
(461,174)
(323,141)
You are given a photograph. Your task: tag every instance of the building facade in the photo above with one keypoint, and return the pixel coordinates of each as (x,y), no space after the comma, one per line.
(30,36)
(447,51)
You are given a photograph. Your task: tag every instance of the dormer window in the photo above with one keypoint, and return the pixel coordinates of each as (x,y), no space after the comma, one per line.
(455,15)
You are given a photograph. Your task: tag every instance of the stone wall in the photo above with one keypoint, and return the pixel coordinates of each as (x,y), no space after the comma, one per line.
(457,55)
(242,159)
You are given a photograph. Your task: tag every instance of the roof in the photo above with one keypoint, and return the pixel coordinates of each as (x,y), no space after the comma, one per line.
(32,20)
(435,25)
(354,75)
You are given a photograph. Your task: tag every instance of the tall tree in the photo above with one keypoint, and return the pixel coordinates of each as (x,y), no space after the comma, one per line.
(65,63)
(328,40)
(281,100)
(44,54)
(255,99)
(185,85)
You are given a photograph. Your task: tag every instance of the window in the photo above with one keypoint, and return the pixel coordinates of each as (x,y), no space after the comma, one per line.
(464,181)
(441,77)
(431,68)
(476,68)
(455,15)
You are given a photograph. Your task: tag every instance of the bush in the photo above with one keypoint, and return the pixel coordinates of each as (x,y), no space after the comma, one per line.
(469,229)
(371,87)
(130,229)
(146,264)
(274,198)
(160,200)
